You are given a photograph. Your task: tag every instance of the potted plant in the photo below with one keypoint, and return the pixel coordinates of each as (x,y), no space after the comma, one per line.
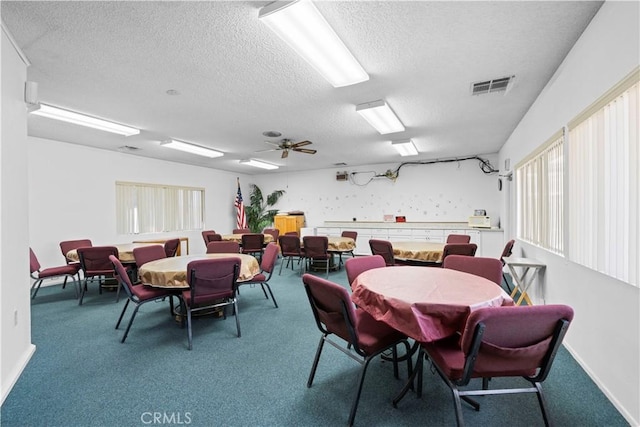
(257,212)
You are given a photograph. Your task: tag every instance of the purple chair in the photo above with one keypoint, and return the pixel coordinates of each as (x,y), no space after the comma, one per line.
(95,264)
(66,271)
(206,234)
(355,331)
(267,265)
(351,234)
(171,247)
(355,266)
(489,268)
(241,231)
(213,237)
(68,245)
(252,244)
(466,249)
(290,248)
(458,238)
(137,294)
(145,254)
(506,252)
(212,284)
(273,232)
(223,247)
(316,248)
(292,233)
(384,249)
(519,341)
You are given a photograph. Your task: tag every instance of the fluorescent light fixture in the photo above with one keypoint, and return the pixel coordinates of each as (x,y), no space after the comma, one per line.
(258,164)
(191,148)
(405,147)
(306,31)
(380,116)
(56,113)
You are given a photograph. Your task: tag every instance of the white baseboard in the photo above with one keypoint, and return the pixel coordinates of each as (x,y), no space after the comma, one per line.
(13,376)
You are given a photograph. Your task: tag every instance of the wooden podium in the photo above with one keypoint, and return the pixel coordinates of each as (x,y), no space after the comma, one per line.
(288,223)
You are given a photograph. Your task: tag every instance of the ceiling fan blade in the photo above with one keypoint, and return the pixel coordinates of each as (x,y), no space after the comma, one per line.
(264,151)
(285,154)
(304,150)
(274,144)
(301,144)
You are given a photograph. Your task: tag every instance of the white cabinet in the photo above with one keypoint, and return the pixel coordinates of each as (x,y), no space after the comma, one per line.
(328,231)
(400,234)
(428,235)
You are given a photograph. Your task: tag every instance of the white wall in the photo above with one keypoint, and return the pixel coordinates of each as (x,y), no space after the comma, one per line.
(443,192)
(605,334)
(72,195)
(15,319)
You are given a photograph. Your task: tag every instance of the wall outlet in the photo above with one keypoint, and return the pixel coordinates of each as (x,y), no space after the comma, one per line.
(15,317)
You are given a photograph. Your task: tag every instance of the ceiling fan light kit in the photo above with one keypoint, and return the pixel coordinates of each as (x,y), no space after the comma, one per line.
(306,31)
(191,148)
(405,147)
(69,116)
(258,164)
(380,116)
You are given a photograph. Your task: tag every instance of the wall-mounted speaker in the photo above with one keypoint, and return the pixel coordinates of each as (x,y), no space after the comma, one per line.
(342,176)
(31,92)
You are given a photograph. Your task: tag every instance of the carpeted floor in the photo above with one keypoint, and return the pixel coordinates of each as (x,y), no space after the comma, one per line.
(81,375)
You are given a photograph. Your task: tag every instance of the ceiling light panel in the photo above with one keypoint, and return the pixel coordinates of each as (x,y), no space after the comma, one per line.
(258,164)
(69,116)
(405,147)
(191,148)
(380,116)
(304,29)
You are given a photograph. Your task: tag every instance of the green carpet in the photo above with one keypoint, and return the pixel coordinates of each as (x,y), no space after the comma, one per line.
(81,375)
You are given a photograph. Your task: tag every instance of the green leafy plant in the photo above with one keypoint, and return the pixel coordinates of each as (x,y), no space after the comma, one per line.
(257,212)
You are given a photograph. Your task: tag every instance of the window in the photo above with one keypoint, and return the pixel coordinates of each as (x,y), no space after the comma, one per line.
(604,184)
(539,196)
(149,208)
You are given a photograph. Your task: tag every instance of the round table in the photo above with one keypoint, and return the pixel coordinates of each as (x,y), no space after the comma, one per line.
(125,252)
(418,251)
(268,238)
(424,303)
(172,272)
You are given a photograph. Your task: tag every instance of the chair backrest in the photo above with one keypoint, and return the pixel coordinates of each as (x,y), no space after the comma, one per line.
(269,258)
(206,233)
(384,249)
(121,275)
(241,230)
(273,232)
(95,260)
(213,278)
(507,251)
(69,245)
(351,234)
(355,266)
(252,242)
(289,245)
(458,238)
(144,254)
(489,268)
(515,340)
(332,307)
(213,237)
(171,247)
(316,246)
(223,247)
(467,249)
(292,233)
(34,264)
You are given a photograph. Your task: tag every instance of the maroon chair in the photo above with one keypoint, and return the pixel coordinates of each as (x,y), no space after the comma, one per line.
(384,249)
(352,235)
(290,249)
(212,284)
(458,238)
(252,244)
(64,271)
(489,268)
(171,247)
(68,245)
(205,234)
(355,266)
(356,333)
(466,249)
(95,264)
(292,233)
(316,249)
(273,232)
(516,341)
(213,237)
(223,247)
(145,254)
(137,294)
(241,231)
(267,265)
(506,252)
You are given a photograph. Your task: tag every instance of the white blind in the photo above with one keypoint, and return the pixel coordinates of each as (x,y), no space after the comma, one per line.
(539,196)
(148,208)
(604,185)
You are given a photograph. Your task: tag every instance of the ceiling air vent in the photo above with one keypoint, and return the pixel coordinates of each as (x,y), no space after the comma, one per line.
(128,148)
(490,86)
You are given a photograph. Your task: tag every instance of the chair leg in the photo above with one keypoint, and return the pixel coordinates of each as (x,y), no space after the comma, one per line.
(506,282)
(126,304)
(189,333)
(457,405)
(543,405)
(36,285)
(133,316)
(235,309)
(354,406)
(316,359)
(271,293)
(83,289)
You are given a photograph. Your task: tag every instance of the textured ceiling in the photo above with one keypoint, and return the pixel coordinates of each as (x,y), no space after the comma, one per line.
(236,79)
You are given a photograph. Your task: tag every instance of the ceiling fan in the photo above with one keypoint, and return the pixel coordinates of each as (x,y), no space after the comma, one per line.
(287,145)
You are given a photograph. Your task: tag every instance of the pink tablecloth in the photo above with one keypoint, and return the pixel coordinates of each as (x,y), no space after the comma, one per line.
(425,303)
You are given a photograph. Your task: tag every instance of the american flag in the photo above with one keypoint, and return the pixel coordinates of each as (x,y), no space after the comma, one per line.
(241,219)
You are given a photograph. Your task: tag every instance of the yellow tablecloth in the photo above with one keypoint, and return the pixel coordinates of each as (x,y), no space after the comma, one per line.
(418,251)
(125,251)
(268,238)
(341,244)
(172,272)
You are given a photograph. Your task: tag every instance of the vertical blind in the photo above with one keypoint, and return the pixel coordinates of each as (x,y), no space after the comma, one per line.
(604,184)
(149,208)
(539,196)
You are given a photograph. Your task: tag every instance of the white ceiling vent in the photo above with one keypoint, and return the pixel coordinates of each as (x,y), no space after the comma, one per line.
(502,84)
(128,148)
